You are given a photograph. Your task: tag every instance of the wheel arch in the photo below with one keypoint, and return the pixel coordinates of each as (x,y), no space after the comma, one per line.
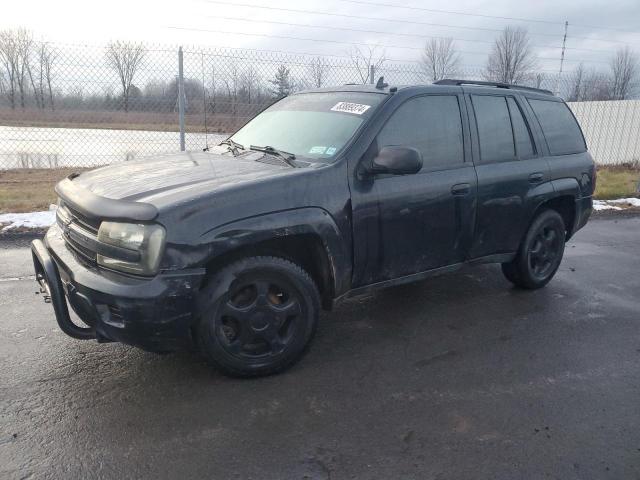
(308,237)
(565,205)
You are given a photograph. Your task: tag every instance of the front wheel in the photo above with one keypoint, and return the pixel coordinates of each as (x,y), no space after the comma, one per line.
(257,316)
(540,253)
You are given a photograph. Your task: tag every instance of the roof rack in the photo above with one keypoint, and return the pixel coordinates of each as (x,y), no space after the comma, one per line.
(449,81)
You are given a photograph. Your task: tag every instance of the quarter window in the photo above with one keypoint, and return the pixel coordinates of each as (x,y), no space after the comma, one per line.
(431,124)
(559,126)
(494,128)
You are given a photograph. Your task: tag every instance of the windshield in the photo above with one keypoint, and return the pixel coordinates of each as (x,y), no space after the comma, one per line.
(310,125)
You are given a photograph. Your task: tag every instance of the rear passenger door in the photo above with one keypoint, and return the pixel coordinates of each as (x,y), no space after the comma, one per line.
(511,171)
(405,224)
(570,165)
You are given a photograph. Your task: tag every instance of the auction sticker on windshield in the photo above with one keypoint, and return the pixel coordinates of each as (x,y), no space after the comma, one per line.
(348,107)
(317,150)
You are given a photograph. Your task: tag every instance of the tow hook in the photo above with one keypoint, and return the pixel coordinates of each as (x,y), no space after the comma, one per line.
(44,288)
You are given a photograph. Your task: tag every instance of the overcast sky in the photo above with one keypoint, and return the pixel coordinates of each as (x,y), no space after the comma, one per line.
(201,22)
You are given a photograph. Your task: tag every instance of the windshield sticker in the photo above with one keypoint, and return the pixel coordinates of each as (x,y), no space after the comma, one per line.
(317,150)
(331,150)
(348,107)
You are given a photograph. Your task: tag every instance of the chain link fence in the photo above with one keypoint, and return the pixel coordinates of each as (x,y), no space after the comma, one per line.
(82,106)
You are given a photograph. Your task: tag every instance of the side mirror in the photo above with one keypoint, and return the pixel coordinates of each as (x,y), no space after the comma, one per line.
(396,160)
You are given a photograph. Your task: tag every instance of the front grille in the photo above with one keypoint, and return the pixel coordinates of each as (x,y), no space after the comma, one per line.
(79,233)
(87,223)
(84,252)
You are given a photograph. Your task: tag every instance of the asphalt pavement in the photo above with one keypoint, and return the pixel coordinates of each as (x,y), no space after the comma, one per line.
(457,377)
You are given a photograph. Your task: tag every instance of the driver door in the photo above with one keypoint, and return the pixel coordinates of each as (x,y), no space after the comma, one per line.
(406,224)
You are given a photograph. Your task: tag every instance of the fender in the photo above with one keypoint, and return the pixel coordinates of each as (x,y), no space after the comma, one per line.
(583,203)
(308,220)
(563,187)
(537,196)
(567,186)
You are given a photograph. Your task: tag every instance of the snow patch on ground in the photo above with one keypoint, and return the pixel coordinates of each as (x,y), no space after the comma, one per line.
(634,202)
(618,204)
(603,205)
(45,219)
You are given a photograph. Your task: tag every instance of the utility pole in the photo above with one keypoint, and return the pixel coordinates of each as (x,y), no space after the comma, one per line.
(181,99)
(372,74)
(564,45)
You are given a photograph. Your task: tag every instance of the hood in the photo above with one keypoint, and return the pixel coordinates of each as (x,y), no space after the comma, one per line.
(152,180)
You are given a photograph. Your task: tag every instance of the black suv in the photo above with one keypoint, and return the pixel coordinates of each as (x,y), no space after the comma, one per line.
(324,195)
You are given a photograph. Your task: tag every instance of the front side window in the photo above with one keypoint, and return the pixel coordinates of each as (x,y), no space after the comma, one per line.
(494,128)
(559,127)
(315,126)
(431,124)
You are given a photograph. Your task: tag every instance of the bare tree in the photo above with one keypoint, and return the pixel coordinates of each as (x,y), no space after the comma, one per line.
(47,57)
(318,72)
(588,85)
(624,70)
(213,88)
(232,81)
(23,44)
(38,89)
(26,48)
(577,84)
(15,52)
(9,58)
(249,82)
(440,59)
(38,73)
(511,59)
(364,58)
(125,58)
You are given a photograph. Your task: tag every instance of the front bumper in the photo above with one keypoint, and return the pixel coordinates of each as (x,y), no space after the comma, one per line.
(155,314)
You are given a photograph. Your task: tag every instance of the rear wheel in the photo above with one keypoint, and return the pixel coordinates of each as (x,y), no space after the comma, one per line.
(258,316)
(540,254)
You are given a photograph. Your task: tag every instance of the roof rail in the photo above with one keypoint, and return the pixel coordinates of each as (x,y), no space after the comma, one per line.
(449,81)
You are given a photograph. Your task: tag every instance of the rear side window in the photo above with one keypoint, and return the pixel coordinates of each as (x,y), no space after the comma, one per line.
(431,124)
(560,128)
(521,133)
(494,129)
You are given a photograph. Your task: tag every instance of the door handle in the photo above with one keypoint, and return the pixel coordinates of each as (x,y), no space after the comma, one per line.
(536,177)
(461,189)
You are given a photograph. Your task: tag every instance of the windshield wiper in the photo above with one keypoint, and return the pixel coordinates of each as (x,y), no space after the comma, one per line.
(233,145)
(286,156)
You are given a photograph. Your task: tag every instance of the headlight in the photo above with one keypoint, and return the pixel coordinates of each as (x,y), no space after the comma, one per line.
(147,240)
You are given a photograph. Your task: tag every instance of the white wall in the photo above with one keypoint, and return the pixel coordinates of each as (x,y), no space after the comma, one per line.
(612,129)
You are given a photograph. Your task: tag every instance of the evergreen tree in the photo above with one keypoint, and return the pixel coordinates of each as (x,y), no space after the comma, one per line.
(282,84)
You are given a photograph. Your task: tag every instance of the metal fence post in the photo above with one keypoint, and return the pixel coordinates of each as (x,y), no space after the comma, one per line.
(181,99)
(372,74)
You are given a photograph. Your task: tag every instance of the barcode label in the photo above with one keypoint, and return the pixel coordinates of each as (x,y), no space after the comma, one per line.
(348,107)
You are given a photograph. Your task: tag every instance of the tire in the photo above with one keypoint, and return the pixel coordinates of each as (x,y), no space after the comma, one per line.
(540,253)
(257,316)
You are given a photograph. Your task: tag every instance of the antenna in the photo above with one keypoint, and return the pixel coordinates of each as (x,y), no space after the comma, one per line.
(381,84)
(204,107)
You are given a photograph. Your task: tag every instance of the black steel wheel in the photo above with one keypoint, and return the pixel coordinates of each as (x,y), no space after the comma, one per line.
(540,253)
(544,251)
(258,316)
